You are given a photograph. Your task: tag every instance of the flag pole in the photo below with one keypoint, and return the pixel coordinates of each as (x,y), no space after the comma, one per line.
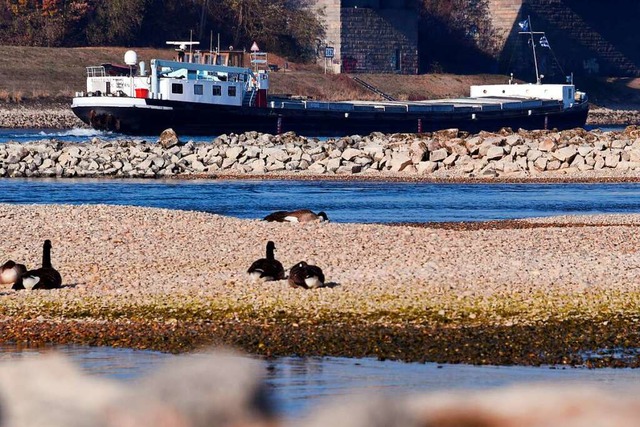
(533,46)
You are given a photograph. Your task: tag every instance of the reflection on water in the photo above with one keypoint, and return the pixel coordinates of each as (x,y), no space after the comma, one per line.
(116,363)
(300,384)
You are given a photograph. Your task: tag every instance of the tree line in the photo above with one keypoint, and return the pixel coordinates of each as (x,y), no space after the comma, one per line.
(287,27)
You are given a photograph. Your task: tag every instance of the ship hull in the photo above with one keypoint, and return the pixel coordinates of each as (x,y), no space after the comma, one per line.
(150,117)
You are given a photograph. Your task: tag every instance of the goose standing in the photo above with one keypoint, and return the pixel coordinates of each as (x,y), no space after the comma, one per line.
(268,268)
(10,272)
(300,215)
(45,277)
(306,276)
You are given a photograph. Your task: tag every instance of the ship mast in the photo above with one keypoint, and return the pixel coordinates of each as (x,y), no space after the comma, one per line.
(527,29)
(533,46)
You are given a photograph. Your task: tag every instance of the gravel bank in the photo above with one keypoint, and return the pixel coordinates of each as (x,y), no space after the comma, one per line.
(600,116)
(39,117)
(174,280)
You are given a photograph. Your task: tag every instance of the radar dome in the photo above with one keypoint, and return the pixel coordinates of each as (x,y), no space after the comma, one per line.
(130,58)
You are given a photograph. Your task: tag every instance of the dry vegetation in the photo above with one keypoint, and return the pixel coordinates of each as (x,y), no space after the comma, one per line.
(613,92)
(50,74)
(40,72)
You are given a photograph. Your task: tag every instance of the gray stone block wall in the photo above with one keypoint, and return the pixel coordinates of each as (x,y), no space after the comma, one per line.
(598,37)
(588,37)
(379,41)
(329,12)
(370,39)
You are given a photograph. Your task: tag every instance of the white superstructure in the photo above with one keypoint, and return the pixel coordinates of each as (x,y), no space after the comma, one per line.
(180,81)
(565,93)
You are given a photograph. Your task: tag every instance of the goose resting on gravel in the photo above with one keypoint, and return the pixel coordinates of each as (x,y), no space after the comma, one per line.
(267,268)
(10,272)
(45,277)
(300,215)
(306,276)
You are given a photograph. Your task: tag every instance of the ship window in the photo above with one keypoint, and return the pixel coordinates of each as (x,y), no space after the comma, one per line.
(176,88)
(232,91)
(197,90)
(217,90)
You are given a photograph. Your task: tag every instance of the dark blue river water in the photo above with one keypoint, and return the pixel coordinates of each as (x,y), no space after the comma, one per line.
(343,201)
(77,135)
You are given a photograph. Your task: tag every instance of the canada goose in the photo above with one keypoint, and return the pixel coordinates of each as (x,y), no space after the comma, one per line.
(45,277)
(306,276)
(267,268)
(300,215)
(10,272)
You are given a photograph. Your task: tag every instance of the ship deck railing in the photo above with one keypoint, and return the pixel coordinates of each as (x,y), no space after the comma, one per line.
(96,71)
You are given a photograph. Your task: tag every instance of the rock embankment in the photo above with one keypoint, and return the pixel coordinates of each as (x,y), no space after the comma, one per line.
(445,154)
(601,116)
(25,117)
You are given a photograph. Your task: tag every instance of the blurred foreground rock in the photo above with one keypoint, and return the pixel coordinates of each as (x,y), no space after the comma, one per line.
(50,391)
(209,390)
(224,389)
(529,406)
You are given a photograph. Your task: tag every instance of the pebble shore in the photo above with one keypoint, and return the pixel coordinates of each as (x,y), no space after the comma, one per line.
(175,280)
(557,291)
(47,116)
(528,283)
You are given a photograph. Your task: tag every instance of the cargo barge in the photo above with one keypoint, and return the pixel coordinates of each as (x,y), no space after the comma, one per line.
(194,96)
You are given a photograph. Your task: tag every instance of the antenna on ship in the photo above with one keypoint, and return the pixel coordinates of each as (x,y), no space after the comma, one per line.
(191,44)
(181,48)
